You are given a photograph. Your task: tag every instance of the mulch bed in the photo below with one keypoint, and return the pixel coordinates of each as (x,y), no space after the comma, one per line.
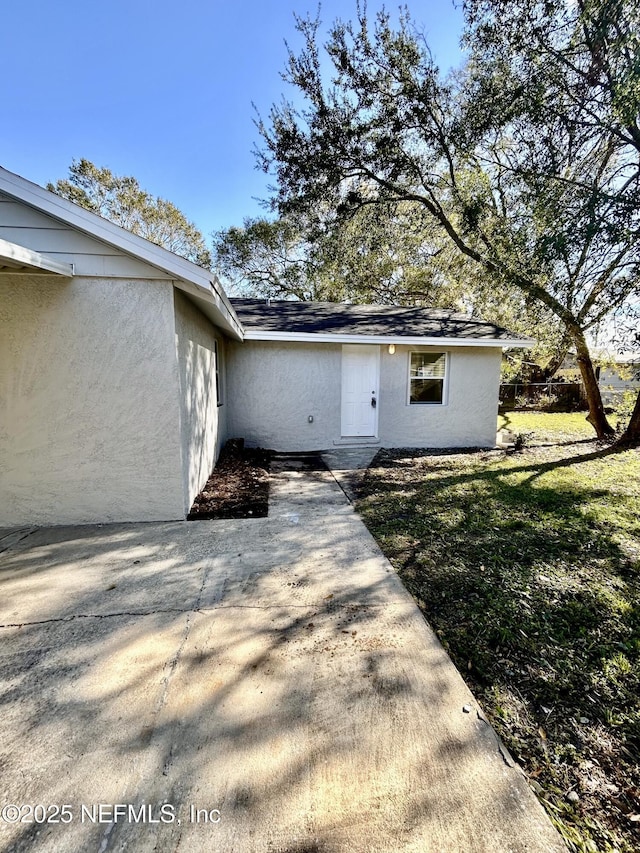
(238,486)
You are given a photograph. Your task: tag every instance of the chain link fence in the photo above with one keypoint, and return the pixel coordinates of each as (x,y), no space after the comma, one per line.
(550,396)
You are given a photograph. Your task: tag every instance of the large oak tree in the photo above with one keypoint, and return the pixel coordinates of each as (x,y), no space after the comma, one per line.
(378,255)
(526,160)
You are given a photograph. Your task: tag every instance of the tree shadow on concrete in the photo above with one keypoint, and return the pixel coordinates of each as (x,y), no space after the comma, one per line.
(251,667)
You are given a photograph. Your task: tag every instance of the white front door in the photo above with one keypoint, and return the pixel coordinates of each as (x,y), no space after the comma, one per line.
(360,371)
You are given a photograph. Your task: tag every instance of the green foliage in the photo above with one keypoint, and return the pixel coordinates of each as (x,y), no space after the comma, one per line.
(525,161)
(121,200)
(546,79)
(377,255)
(532,203)
(265,258)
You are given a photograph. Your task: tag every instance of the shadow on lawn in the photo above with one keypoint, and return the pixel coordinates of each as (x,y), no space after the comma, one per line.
(538,604)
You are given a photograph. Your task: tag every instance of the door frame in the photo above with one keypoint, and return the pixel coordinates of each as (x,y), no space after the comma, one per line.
(374,352)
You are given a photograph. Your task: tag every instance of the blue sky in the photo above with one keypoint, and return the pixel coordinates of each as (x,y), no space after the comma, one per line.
(162,90)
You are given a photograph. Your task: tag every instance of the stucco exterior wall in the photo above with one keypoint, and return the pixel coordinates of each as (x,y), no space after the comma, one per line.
(89,417)
(276,386)
(469,414)
(203,422)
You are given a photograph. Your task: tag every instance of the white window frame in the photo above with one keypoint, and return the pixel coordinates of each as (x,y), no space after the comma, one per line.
(445,378)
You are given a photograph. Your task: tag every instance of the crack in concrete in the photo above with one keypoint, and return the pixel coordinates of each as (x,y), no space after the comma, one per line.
(13,541)
(75,616)
(335,607)
(172,668)
(149,730)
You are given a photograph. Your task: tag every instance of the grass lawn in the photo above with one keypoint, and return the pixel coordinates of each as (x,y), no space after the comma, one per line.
(527,565)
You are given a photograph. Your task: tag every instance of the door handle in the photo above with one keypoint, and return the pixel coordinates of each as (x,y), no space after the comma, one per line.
(373,403)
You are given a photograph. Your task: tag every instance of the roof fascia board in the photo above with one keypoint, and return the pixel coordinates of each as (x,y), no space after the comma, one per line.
(309,337)
(214,309)
(95,226)
(102,229)
(35,260)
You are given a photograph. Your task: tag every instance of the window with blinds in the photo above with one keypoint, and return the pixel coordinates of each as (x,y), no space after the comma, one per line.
(426,377)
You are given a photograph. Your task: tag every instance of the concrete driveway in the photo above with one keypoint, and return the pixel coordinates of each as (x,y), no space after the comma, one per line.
(259,685)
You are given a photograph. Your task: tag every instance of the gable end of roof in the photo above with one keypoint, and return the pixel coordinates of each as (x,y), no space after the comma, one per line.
(186,275)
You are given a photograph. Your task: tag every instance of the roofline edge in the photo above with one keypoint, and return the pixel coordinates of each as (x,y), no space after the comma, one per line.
(309,337)
(99,228)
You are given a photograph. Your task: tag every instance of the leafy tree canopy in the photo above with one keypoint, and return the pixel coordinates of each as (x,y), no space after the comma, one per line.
(377,255)
(526,161)
(123,201)
(383,257)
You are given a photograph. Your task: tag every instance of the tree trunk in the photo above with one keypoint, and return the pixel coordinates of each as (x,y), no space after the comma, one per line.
(596,416)
(631,436)
(556,360)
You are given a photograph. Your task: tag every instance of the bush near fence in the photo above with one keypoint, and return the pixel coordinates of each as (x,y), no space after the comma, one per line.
(543,396)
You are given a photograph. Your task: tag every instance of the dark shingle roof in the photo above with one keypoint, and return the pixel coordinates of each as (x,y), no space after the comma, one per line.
(332,318)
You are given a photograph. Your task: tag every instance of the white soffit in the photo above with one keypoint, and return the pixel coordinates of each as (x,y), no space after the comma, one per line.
(18,259)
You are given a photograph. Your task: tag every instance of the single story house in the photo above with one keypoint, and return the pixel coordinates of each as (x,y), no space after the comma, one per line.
(616,377)
(123,369)
(316,375)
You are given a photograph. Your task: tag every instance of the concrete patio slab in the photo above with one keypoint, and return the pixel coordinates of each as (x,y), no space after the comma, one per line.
(255,685)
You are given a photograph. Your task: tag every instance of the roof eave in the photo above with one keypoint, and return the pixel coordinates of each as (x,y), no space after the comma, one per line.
(212,307)
(185,273)
(333,338)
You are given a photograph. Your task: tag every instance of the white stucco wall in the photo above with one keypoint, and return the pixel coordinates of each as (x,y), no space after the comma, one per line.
(468,417)
(273,388)
(276,386)
(203,422)
(89,417)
